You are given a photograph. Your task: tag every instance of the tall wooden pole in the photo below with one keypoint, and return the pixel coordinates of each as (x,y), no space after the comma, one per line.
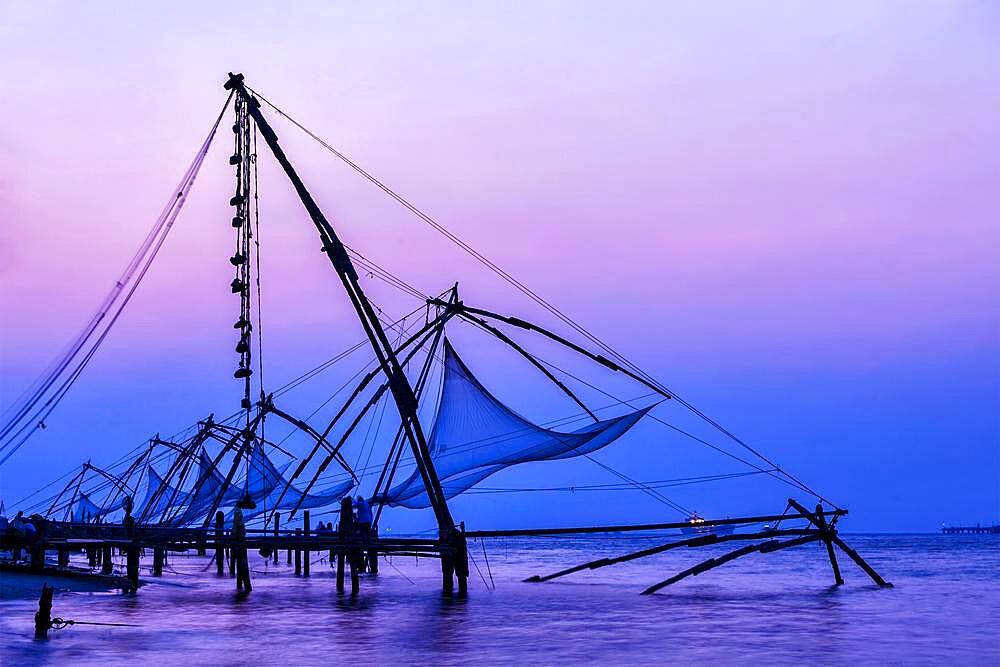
(402,392)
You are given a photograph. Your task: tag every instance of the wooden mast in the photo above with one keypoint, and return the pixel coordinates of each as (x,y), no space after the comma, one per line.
(334,249)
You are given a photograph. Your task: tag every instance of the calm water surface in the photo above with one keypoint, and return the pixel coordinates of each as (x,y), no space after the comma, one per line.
(774,609)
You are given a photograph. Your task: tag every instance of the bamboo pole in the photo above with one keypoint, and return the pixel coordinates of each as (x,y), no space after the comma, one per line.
(712,563)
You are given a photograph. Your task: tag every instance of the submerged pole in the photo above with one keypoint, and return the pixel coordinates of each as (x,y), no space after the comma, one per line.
(462,561)
(43,617)
(305,532)
(828,531)
(220,553)
(355,559)
(107,564)
(277,523)
(298,552)
(344,528)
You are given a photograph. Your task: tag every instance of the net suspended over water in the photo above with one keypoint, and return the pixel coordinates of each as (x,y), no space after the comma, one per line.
(475,435)
(265,485)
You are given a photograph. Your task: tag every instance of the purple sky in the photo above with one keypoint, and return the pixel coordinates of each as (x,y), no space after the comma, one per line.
(786,212)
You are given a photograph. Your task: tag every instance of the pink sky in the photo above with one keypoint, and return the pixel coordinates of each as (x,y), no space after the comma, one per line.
(778,190)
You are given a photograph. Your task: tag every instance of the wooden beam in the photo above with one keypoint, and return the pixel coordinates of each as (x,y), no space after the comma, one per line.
(529,532)
(712,563)
(861,562)
(827,532)
(699,541)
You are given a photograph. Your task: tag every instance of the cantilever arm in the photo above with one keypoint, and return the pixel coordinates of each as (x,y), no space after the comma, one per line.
(524,353)
(523,324)
(303,426)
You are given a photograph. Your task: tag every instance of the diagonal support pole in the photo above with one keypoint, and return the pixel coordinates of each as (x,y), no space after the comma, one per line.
(699,541)
(856,557)
(828,531)
(712,563)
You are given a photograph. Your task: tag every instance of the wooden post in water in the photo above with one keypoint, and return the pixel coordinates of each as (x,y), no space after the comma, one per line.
(298,552)
(107,564)
(372,554)
(92,556)
(132,567)
(355,558)
(277,523)
(43,617)
(447,570)
(220,525)
(157,562)
(37,553)
(340,572)
(239,549)
(462,561)
(827,531)
(305,532)
(63,557)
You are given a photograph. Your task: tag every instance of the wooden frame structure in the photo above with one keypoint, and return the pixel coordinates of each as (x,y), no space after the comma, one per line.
(450,546)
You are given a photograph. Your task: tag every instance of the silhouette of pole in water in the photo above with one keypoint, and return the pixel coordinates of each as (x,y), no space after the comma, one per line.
(107,565)
(43,617)
(306,554)
(132,550)
(220,527)
(345,527)
(277,533)
(243,584)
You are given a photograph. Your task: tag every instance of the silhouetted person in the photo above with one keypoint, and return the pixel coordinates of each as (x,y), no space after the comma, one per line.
(364,516)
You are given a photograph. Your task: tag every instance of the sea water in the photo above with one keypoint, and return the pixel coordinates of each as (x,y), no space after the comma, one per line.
(773,609)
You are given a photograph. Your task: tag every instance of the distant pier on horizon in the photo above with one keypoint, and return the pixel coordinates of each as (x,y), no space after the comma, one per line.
(978,529)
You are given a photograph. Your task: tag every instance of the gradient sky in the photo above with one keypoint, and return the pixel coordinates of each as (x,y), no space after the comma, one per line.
(785,211)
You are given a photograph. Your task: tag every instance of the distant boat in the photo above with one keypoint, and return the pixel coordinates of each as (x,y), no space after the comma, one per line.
(696,526)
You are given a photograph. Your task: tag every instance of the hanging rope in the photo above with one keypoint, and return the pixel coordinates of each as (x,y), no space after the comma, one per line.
(534,296)
(27,419)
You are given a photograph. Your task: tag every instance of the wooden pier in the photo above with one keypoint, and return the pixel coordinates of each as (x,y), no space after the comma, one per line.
(971,530)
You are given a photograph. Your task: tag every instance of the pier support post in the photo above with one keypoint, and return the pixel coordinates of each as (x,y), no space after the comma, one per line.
(355,558)
(462,561)
(305,554)
(447,572)
(298,552)
(107,564)
(37,553)
(340,573)
(157,562)
(372,553)
(132,567)
(828,531)
(43,617)
(239,550)
(92,556)
(220,554)
(277,525)
(63,557)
